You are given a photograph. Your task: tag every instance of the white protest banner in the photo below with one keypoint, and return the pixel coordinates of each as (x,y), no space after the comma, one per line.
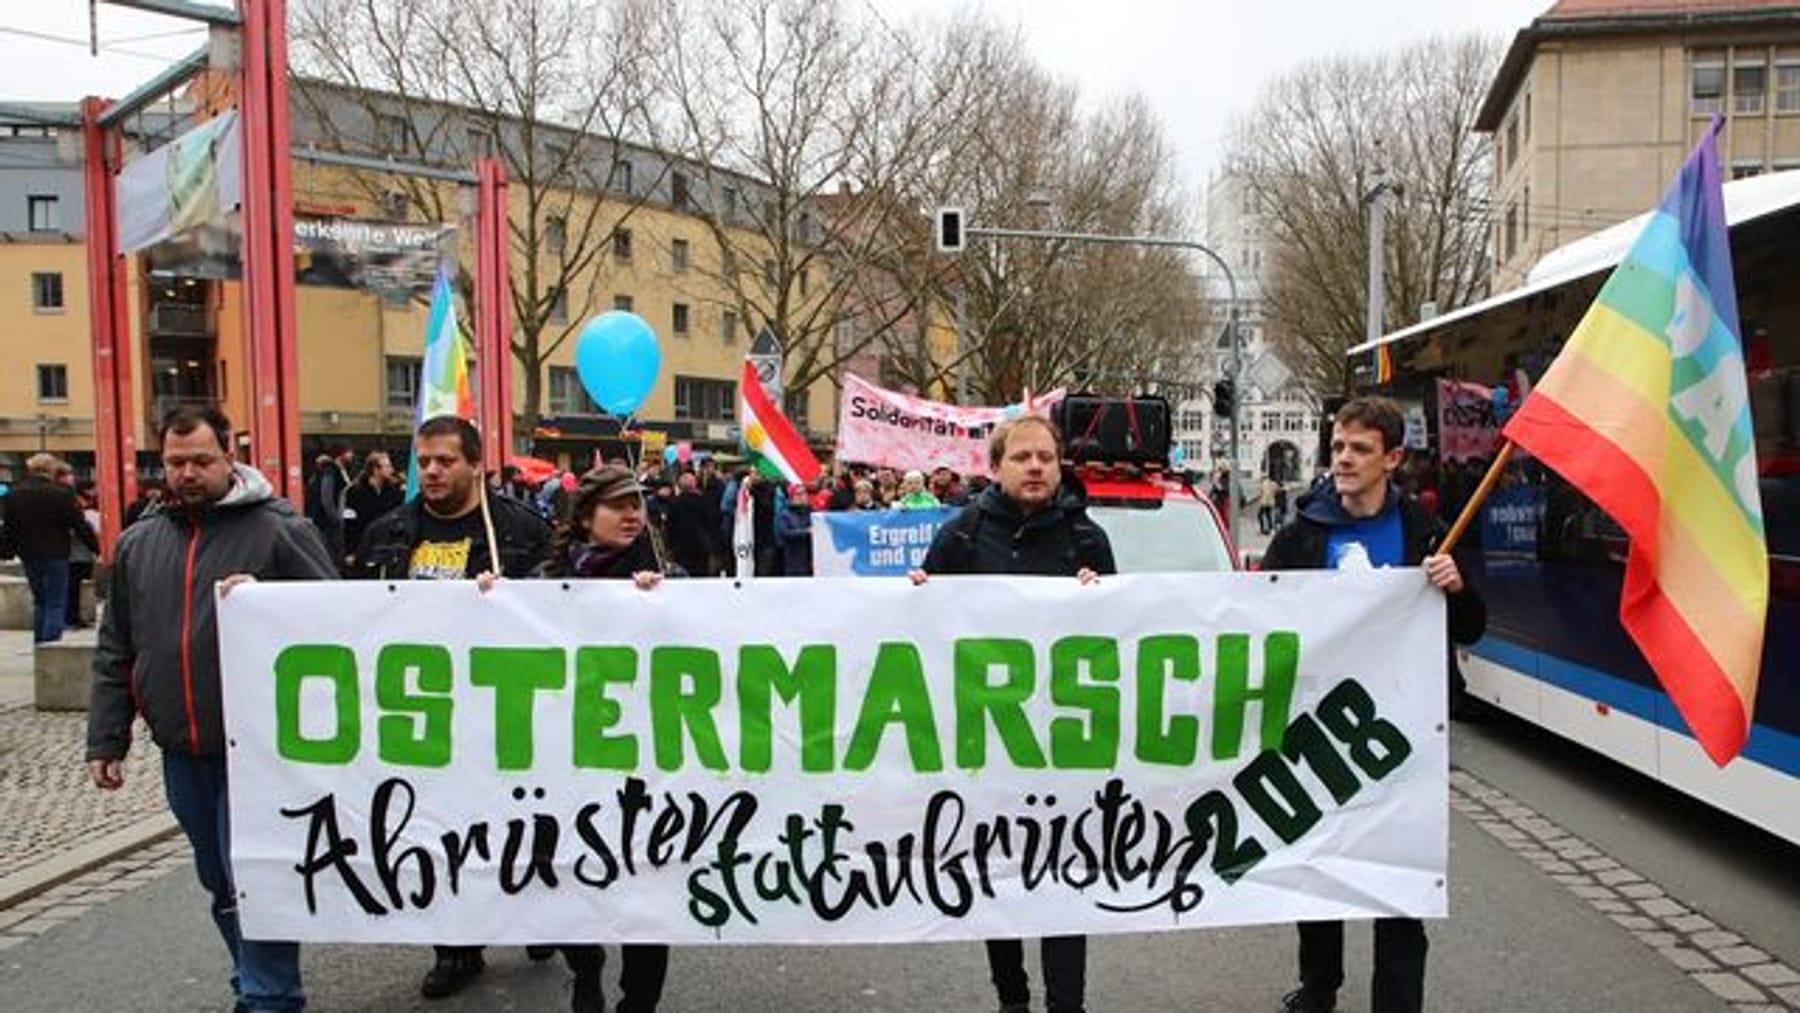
(833,760)
(894,430)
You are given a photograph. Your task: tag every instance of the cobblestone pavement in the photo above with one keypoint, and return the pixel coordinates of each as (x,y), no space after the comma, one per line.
(46,802)
(1721,961)
(39,914)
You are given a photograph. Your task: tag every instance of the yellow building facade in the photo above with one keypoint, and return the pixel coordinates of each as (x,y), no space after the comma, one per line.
(359,349)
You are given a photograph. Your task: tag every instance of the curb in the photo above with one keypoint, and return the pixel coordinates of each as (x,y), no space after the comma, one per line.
(51,872)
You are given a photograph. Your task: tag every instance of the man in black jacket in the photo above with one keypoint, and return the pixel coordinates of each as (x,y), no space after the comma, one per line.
(158,654)
(1029,522)
(441,534)
(1361,521)
(42,524)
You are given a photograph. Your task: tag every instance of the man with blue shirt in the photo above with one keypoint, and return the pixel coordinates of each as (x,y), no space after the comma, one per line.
(1361,520)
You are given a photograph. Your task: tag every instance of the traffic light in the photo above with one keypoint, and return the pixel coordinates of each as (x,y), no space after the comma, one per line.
(950,230)
(1224,398)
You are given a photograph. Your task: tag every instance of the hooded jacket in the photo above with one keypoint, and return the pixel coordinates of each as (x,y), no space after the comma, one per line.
(1302,543)
(991,535)
(158,647)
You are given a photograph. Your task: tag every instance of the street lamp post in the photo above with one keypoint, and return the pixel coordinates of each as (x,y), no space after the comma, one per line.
(1234,364)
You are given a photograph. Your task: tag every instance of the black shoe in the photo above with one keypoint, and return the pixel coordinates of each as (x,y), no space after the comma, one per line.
(451,974)
(539,954)
(1306,1000)
(589,996)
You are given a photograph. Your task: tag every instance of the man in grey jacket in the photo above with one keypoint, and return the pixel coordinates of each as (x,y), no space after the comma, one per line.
(158,653)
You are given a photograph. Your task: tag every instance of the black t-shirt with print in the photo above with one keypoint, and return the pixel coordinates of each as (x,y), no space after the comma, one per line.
(449,548)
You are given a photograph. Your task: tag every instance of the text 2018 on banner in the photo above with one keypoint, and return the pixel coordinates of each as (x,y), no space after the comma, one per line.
(833,760)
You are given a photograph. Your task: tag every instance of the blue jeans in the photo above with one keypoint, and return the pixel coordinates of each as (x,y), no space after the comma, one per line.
(264,976)
(49,580)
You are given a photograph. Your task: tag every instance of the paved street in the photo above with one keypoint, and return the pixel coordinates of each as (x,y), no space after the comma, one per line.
(1575,887)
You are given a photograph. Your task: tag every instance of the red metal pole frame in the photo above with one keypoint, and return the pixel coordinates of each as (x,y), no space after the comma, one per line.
(268,254)
(493,312)
(109,321)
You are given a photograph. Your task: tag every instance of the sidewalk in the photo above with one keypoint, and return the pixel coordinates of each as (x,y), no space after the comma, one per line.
(54,825)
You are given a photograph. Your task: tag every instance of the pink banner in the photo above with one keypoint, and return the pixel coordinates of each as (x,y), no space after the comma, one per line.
(1466,425)
(894,430)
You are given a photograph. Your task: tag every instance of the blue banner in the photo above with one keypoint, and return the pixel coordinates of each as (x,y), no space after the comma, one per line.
(873,543)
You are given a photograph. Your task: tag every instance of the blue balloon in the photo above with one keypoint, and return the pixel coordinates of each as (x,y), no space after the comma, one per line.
(1502,406)
(618,358)
(670,453)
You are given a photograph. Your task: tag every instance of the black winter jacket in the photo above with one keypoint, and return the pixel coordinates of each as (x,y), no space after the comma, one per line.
(388,542)
(43,519)
(992,536)
(1301,544)
(158,648)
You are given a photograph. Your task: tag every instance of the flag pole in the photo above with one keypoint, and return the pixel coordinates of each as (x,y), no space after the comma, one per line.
(487,520)
(1470,508)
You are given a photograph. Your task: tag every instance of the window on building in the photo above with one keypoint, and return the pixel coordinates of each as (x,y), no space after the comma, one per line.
(43,214)
(1787,82)
(1510,150)
(621,176)
(805,279)
(704,399)
(728,327)
(679,193)
(559,307)
(1745,168)
(1525,217)
(1749,82)
(402,381)
(622,302)
(794,406)
(728,262)
(390,132)
(47,291)
(1512,233)
(1707,84)
(621,243)
(566,395)
(730,201)
(556,157)
(679,319)
(53,381)
(556,233)
(480,142)
(678,254)
(1525,118)
(769,271)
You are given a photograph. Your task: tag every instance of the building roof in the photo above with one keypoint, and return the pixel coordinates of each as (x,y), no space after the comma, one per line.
(1594,18)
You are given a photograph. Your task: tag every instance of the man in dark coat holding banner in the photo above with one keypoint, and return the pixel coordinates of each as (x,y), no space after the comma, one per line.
(1029,522)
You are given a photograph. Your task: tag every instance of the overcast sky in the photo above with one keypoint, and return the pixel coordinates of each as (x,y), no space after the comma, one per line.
(1199,61)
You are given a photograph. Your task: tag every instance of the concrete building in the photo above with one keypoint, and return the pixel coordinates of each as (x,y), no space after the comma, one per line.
(1278,416)
(1598,102)
(360,347)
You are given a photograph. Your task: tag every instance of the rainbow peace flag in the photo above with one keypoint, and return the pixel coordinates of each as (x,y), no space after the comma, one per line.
(444,374)
(1384,363)
(774,447)
(1646,410)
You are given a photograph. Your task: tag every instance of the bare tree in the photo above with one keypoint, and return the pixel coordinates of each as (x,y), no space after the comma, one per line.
(1309,152)
(810,132)
(547,86)
(1041,315)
